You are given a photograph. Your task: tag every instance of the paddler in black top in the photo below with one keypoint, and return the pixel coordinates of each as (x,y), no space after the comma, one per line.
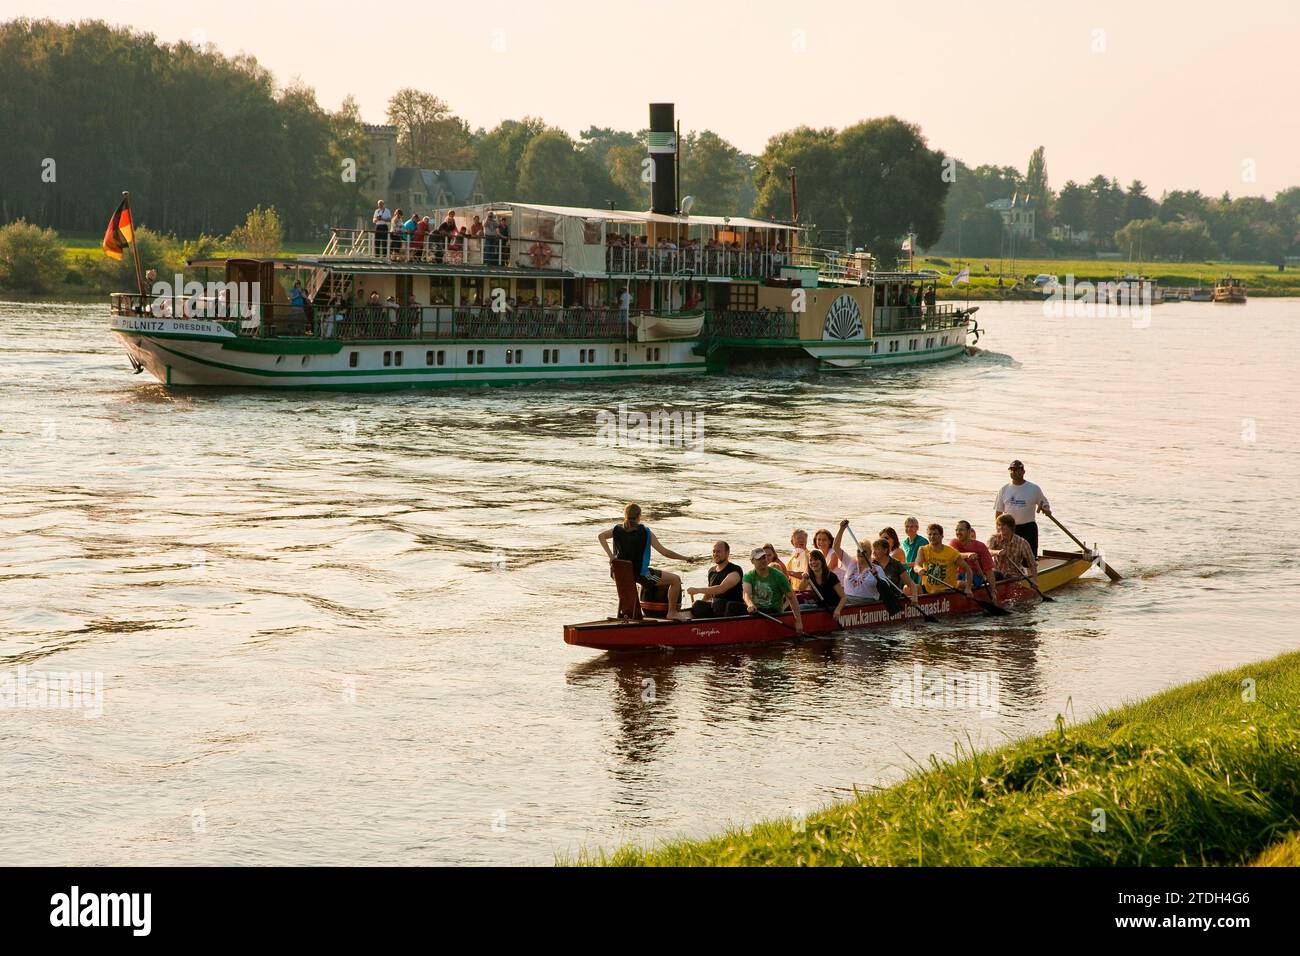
(891,575)
(632,542)
(725,596)
(825,586)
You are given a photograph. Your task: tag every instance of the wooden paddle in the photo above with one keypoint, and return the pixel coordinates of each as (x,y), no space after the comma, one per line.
(916,604)
(777,620)
(989,607)
(1110,572)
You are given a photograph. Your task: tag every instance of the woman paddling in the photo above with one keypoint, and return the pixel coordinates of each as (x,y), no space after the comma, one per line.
(826,589)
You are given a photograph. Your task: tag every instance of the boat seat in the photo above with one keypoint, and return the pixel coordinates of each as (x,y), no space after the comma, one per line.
(629,605)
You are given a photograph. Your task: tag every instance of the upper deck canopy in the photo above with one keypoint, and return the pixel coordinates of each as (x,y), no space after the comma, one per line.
(631,216)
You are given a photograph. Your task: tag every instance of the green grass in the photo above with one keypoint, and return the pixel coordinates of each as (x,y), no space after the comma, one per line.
(1192,776)
(1261,279)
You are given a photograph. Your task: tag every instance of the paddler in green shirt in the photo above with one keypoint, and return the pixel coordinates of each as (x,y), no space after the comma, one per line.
(768,590)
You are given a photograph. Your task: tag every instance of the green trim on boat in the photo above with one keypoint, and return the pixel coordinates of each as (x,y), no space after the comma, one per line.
(427,370)
(303,346)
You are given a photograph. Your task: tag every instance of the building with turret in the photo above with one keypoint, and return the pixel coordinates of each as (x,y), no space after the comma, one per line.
(411,188)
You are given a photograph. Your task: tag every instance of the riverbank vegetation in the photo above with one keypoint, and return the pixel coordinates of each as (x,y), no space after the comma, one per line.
(1205,774)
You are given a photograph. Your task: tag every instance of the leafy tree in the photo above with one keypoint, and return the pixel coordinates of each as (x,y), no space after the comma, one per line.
(261,234)
(1072,206)
(892,182)
(813,153)
(31,258)
(1137,204)
(550,171)
(713,171)
(499,152)
(429,135)
(624,165)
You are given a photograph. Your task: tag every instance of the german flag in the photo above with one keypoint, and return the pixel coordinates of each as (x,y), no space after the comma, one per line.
(119,233)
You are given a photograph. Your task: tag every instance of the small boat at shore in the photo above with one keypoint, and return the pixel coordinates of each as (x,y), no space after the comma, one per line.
(1230,289)
(655,327)
(617,634)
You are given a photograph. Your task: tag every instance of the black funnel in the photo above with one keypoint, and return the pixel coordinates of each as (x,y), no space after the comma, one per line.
(662,145)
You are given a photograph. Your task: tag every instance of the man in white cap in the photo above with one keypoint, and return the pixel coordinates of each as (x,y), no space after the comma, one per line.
(767,590)
(1022,500)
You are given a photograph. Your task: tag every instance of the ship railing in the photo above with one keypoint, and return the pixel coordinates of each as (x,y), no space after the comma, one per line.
(928,318)
(750,326)
(833,264)
(746,263)
(502,252)
(181,306)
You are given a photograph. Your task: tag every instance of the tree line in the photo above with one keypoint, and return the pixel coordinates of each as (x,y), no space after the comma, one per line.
(201,139)
(1101,216)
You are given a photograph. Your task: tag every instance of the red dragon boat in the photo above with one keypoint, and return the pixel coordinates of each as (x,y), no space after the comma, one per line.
(623,634)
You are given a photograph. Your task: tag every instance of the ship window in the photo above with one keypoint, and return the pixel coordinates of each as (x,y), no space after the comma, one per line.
(480,357)
(582,356)
(875,347)
(442,357)
(304,360)
(469,357)
(352,359)
(742,297)
(510,357)
(397,358)
(388,358)
(519,356)
(428,357)
(591,355)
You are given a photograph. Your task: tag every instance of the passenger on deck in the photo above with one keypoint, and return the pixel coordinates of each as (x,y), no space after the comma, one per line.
(418,236)
(725,595)
(396,235)
(633,542)
(827,591)
(381,220)
(940,565)
(797,566)
(1012,555)
(855,571)
(768,590)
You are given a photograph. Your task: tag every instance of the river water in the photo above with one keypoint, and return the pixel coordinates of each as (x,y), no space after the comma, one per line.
(328,627)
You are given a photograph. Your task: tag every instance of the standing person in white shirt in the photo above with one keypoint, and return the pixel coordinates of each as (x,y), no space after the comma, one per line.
(1022,500)
(624,306)
(382,217)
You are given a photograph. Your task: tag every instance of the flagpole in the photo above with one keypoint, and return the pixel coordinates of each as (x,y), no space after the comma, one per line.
(135,248)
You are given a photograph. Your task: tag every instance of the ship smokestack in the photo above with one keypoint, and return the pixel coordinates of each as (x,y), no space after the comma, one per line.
(662,146)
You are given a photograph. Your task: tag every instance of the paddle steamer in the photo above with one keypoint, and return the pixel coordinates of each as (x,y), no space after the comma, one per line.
(543,301)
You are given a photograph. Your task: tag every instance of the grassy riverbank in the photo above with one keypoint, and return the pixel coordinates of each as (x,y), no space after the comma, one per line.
(1208,773)
(1261,279)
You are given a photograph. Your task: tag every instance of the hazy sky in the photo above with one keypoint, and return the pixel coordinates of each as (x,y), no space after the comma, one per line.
(1179,94)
